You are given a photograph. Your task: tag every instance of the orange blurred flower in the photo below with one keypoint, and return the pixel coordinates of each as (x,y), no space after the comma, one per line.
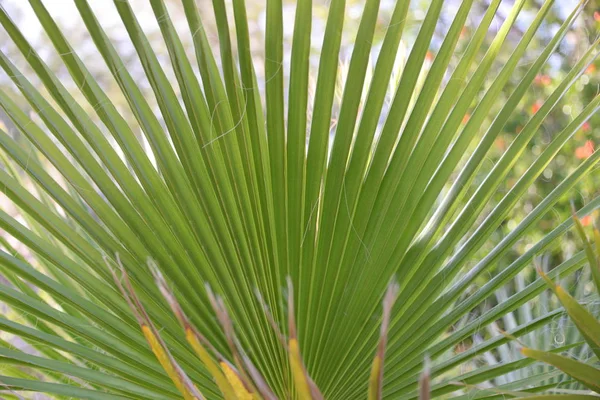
(590,69)
(466,118)
(500,143)
(586,127)
(429,56)
(543,80)
(585,151)
(597,16)
(586,221)
(535,107)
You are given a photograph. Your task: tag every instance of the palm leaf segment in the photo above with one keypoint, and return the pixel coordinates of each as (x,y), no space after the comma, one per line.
(589,327)
(224,186)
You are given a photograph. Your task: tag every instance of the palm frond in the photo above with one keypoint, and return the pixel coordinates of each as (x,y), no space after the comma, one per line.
(228,175)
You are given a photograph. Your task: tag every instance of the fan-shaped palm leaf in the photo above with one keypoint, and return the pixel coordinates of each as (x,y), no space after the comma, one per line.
(225,185)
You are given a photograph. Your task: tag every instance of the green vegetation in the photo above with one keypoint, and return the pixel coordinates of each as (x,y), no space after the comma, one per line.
(586,323)
(229,223)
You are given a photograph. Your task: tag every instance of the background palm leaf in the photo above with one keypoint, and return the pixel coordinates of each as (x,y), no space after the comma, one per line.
(586,374)
(231,181)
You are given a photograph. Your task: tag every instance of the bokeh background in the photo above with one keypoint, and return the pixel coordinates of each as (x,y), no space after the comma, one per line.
(586,29)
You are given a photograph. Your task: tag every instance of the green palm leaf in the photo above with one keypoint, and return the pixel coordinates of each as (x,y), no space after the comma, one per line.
(227,181)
